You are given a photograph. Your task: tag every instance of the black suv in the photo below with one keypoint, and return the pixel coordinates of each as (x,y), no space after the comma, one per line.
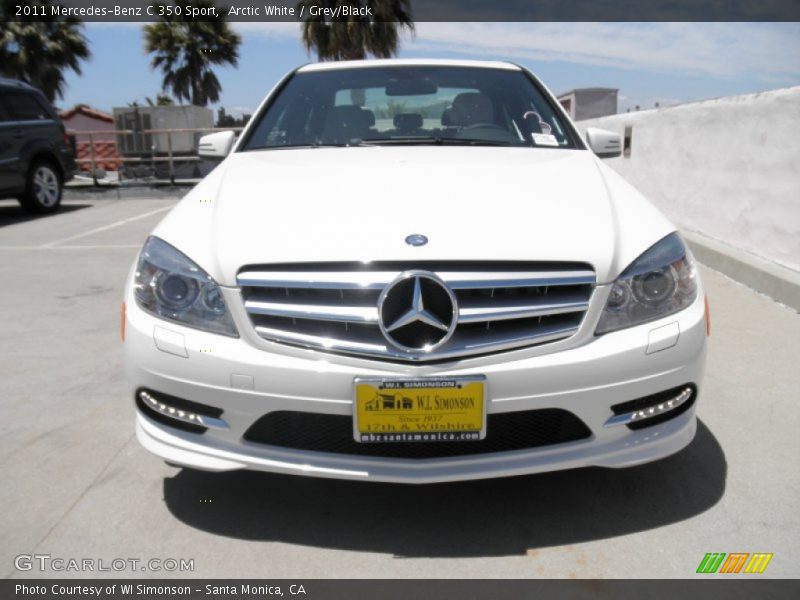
(36,156)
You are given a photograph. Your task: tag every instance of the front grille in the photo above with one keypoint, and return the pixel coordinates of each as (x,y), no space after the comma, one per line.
(334,433)
(333,307)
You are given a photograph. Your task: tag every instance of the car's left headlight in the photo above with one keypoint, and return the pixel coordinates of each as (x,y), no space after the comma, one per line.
(660,282)
(171,286)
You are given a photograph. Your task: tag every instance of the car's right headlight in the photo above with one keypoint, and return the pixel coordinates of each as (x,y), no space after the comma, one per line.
(171,286)
(660,282)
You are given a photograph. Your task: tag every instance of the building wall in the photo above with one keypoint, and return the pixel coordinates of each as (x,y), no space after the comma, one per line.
(80,122)
(568,102)
(727,168)
(104,144)
(589,104)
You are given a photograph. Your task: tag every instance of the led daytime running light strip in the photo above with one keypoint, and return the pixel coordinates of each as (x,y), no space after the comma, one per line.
(651,411)
(180,414)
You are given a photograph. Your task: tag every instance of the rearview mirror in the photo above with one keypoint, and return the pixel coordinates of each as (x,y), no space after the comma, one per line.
(604,143)
(411,87)
(216,145)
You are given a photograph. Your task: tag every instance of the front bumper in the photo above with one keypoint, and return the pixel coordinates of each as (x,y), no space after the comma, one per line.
(247,381)
(69,165)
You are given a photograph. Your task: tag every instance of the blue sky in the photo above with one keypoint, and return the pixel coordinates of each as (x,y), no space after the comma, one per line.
(667,63)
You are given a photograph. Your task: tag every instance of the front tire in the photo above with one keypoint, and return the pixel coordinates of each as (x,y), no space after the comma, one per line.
(43,188)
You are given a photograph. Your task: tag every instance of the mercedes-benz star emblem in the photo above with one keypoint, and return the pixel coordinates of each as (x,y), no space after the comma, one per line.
(417,312)
(416,239)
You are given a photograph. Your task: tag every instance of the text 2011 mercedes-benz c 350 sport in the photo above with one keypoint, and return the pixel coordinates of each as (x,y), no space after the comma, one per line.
(413,271)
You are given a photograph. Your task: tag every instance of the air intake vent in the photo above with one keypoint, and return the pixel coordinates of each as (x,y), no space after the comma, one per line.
(334,434)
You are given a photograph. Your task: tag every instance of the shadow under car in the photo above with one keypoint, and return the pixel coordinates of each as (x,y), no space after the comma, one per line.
(491,517)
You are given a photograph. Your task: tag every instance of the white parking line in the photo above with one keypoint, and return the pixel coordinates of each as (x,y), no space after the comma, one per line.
(106,227)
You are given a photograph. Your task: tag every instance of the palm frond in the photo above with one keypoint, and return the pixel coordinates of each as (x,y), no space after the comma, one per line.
(355,37)
(184,50)
(40,50)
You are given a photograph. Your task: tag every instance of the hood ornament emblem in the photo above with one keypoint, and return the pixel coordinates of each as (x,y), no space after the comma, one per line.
(416,239)
(417,312)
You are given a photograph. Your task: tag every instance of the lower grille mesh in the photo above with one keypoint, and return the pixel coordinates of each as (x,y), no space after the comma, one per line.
(334,433)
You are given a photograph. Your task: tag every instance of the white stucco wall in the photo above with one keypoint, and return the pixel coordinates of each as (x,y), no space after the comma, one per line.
(80,122)
(727,168)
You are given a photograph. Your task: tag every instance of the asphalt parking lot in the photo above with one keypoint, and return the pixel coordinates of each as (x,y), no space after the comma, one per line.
(76,483)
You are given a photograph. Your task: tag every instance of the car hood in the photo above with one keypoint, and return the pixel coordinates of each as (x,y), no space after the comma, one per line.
(360,203)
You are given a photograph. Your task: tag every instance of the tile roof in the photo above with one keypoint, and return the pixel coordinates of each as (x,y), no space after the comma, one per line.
(87,110)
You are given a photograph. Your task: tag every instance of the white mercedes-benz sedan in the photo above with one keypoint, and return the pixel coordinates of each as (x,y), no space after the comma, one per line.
(413,271)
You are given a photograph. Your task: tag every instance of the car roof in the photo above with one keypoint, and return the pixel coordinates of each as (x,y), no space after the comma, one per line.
(16,83)
(407,62)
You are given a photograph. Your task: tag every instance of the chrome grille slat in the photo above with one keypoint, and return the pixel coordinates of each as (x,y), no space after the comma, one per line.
(366,314)
(481,314)
(379,279)
(353,314)
(514,342)
(471,281)
(322,280)
(501,308)
(385,351)
(317,341)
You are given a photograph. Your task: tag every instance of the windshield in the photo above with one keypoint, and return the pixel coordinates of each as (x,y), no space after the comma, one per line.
(409,105)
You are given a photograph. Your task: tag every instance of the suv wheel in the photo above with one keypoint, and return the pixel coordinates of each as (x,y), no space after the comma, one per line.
(43,188)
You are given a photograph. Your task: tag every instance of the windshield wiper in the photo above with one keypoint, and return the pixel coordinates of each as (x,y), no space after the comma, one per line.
(422,140)
(400,141)
(296,146)
(474,142)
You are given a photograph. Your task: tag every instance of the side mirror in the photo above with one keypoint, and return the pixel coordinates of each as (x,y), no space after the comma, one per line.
(216,145)
(604,143)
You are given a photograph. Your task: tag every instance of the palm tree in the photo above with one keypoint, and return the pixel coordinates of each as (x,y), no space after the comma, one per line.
(161,100)
(40,49)
(185,50)
(355,37)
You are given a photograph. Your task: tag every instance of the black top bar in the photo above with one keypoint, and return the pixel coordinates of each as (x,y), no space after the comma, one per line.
(446,10)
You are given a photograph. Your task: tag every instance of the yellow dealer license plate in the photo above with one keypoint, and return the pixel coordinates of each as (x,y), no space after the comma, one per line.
(419,410)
